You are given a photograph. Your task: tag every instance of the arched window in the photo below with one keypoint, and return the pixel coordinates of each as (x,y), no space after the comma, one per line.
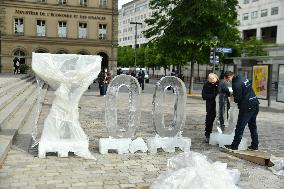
(61,52)
(104,60)
(20,55)
(41,51)
(83,52)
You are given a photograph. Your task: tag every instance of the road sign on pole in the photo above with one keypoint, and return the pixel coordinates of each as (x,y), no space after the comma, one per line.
(224,50)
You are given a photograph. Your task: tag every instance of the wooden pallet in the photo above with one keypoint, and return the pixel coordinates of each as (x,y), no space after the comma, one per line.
(257,156)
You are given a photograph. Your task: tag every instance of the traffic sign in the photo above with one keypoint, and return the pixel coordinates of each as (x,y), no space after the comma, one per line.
(224,50)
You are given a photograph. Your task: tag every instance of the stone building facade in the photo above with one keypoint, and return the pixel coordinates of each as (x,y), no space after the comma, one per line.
(87,27)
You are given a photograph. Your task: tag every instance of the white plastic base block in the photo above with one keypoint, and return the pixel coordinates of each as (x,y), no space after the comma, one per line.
(79,148)
(226,139)
(168,144)
(138,145)
(121,145)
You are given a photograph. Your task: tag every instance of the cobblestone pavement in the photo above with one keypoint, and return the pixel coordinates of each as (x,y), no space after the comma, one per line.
(23,170)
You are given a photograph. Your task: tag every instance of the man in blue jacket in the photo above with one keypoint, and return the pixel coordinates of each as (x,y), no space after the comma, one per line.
(248,105)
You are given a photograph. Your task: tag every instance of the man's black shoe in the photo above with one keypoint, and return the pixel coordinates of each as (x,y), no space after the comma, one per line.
(229,147)
(252,148)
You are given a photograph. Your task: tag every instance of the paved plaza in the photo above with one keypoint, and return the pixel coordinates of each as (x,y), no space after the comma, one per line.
(22,169)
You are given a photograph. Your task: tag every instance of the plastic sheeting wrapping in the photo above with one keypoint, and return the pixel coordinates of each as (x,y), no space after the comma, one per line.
(179,106)
(40,84)
(191,170)
(278,168)
(134,106)
(70,75)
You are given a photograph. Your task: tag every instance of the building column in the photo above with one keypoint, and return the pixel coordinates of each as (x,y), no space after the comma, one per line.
(258,33)
(113,58)
(280,31)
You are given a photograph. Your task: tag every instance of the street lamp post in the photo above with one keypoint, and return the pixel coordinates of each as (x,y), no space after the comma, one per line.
(215,46)
(135,43)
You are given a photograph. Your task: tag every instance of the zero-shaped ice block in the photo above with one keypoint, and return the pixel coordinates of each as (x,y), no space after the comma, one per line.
(70,75)
(134,106)
(179,106)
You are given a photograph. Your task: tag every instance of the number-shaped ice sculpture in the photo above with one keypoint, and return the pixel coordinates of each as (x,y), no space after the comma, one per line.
(134,106)
(70,75)
(179,106)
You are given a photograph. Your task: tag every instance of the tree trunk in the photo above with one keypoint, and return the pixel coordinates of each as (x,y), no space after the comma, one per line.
(198,76)
(165,69)
(191,79)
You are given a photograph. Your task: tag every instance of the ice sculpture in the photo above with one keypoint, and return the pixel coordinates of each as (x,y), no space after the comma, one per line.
(168,138)
(179,107)
(120,139)
(40,84)
(226,139)
(70,75)
(134,106)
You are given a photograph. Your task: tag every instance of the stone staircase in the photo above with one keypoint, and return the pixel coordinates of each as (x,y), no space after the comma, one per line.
(18,111)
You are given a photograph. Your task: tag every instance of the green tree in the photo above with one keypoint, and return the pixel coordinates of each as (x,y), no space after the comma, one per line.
(253,47)
(186,29)
(125,56)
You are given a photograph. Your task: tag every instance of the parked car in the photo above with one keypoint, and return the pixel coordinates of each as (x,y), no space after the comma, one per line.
(127,72)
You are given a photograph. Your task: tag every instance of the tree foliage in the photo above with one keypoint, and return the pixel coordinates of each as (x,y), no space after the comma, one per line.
(253,47)
(186,29)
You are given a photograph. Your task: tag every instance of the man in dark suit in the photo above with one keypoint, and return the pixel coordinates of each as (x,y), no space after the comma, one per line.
(248,105)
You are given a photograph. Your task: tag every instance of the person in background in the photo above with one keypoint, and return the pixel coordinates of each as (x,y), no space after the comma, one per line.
(248,105)
(133,73)
(224,103)
(209,93)
(141,78)
(104,78)
(16,62)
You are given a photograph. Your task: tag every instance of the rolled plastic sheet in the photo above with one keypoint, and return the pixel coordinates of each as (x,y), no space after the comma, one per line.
(191,170)
(134,105)
(179,106)
(70,75)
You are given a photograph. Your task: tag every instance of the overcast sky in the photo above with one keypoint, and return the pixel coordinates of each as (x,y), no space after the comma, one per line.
(121,2)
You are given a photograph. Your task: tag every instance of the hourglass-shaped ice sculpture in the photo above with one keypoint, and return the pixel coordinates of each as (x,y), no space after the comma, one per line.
(70,75)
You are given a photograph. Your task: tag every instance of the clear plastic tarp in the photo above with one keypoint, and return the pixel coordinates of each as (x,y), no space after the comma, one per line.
(179,107)
(70,75)
(191,170)
(134,106)
(278,168)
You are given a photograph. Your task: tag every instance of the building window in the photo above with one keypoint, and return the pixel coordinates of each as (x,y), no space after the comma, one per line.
(62,2)
(40,28)
(254,15)
(102,31)
(264,13)
(269,34)
(19,26)
(83,2)
(62,30)
(245,16)
(41,1)
(274,11)
(82,30)
(103,3)
(246,1)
